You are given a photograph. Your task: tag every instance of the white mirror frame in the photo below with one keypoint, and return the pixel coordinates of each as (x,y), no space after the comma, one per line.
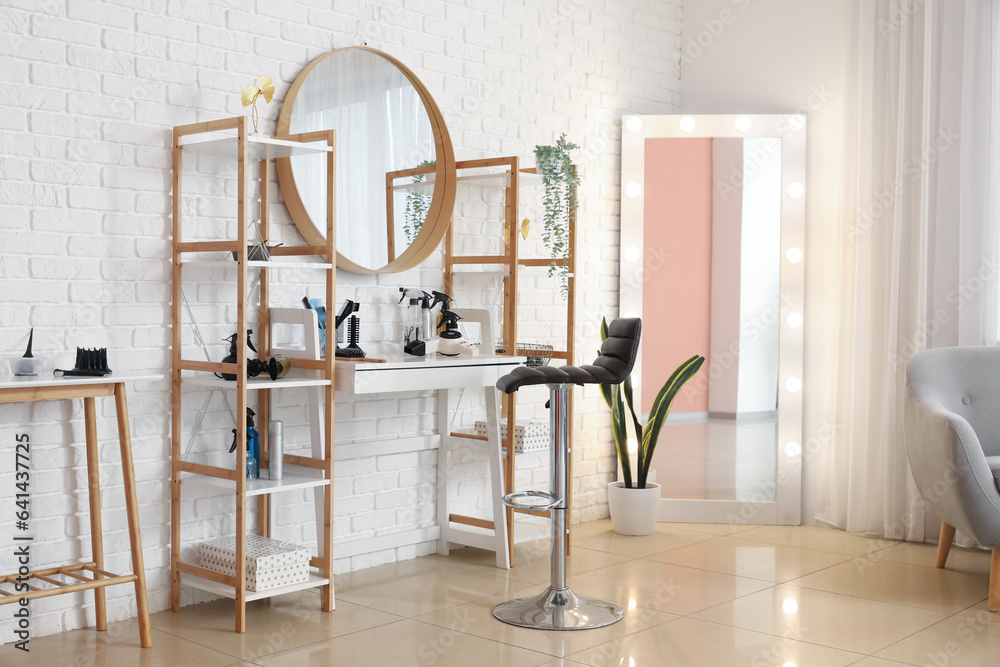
(790,128)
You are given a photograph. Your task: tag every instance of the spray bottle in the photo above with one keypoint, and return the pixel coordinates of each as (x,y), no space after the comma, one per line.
(253,447)
(413,324)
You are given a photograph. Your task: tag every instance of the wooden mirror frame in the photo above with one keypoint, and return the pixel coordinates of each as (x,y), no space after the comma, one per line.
(443,200)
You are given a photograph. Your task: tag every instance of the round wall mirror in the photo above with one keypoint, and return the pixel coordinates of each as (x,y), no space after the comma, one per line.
(395,164)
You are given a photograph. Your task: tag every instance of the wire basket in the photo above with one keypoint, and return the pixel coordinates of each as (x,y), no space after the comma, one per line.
(537,354)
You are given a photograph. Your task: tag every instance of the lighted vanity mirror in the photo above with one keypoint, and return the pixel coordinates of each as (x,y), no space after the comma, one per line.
(395,164)
(713,213)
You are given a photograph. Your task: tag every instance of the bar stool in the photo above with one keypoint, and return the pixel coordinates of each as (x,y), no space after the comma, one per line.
(557,607)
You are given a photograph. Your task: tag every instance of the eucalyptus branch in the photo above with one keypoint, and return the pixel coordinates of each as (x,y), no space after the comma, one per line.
(417,206)
(561,182)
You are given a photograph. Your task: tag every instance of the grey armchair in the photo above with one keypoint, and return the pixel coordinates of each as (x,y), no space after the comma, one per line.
(951,415)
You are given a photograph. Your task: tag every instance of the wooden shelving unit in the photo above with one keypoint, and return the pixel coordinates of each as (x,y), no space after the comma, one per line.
(509,264)
(231,137)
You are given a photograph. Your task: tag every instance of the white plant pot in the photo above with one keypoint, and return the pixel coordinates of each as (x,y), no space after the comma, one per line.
(634,511)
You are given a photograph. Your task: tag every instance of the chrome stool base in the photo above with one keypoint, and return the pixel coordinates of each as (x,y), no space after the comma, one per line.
(558,609)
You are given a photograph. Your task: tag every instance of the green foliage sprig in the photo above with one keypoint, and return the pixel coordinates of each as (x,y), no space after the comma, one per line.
(417,205)
(561,182)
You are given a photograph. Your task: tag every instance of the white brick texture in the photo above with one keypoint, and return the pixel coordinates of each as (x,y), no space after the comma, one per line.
(91,90)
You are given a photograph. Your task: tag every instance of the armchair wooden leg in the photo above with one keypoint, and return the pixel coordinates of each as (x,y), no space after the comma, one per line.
(944,544)
(994,602)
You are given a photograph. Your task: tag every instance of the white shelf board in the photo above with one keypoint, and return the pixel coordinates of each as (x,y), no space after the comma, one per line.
(273,264)
(259,147)
(228,591)
(255,487)
(468,268)
(497,179)
(259,382)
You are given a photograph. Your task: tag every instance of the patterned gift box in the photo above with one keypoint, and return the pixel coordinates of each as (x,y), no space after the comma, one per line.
(270,563)
(529,436)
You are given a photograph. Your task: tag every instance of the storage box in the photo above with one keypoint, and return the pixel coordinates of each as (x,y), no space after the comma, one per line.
(529,436)
(269,563)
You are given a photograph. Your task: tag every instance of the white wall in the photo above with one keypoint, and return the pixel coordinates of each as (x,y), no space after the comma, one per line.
(773,56)
(90,92)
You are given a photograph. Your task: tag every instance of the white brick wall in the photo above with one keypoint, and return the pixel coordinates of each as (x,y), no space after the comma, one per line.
(89,92)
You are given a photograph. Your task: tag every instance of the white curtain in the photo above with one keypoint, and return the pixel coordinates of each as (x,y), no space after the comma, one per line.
(919,251)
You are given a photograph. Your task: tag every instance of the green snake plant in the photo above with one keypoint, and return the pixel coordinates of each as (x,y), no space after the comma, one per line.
(646,435)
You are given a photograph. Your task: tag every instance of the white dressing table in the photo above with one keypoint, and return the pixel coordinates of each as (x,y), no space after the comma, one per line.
(399,372)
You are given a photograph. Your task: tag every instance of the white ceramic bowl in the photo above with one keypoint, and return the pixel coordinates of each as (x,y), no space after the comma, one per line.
(20,365)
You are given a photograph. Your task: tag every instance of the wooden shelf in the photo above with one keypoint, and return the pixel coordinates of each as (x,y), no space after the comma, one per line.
(511,267)
(259,147)
(273,264)
(231,137)
(255,487)
(293,379)
(224,590)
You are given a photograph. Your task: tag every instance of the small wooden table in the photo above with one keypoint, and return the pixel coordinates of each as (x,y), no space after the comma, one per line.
(73,578)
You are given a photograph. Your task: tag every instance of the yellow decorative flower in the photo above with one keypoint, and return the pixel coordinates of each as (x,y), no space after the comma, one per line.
(525,228)
(251,93)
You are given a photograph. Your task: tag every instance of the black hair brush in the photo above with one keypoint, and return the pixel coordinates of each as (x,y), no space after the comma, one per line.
(89,363)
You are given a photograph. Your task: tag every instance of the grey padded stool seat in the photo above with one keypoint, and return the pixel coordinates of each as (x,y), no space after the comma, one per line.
(557,607)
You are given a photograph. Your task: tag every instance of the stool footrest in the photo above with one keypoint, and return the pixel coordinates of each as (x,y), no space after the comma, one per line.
(510,500)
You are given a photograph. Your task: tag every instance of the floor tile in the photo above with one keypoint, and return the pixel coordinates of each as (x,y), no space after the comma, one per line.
(116,647)
(900,583)
(828,619)
(689,642)
(412,588)
(817,537)
(721,529)
(882,662)
(406,642)
(532,561)
(963,640)
(477,618)
(273,625)
(663,587)
(970,561)
(600,536)
(758,560)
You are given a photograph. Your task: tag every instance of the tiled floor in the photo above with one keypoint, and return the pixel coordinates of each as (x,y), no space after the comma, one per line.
(701,595)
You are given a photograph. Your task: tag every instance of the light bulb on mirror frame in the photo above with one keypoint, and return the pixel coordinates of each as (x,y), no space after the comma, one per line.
(793,385)
(742,123)
(632,254)
(796,190)
(633,124)
(792,449)
(794,255)
(633,190)
(687,124)
(794,320)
